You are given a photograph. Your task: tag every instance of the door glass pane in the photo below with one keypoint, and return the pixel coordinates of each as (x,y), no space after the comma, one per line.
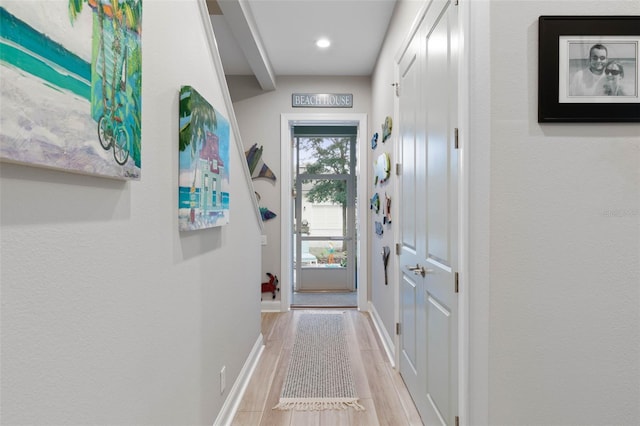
(324,155)
(323,254)
(324,208)
(324,168)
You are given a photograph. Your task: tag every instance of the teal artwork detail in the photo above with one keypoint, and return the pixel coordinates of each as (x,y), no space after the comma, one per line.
(375,203)
(203,184)
(27,49)
(266,214)
(71,85)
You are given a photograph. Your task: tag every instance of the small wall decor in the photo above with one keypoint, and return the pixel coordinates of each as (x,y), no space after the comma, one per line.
(379,228)
(385,262)
(382,168)
(374,141)
(588,69)
(257,167)
(375,203)
(271,286)
(71,86)
(387,210)
(203,197)
(266,214)
(386,128)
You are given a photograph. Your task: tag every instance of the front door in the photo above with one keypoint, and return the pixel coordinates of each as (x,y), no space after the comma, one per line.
(428,72)
(324,247)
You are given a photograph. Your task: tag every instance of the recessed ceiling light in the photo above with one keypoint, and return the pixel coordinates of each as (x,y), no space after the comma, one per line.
(323,43)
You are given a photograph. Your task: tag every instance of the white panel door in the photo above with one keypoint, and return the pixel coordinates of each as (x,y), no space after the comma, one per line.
(429,252)
(412,301)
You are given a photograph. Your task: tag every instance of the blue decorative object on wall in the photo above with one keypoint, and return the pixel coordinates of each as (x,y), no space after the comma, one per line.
(375,203)
(379,229)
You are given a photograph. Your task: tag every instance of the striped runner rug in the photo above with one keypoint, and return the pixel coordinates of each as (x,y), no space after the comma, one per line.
(319,375)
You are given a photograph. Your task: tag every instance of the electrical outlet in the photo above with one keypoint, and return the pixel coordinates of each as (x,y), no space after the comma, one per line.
(263,240)
(223,379)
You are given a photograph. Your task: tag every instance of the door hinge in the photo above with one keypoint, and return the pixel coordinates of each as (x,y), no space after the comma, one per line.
(456,279)
(457,419)
(397,86)
(456,137)
(398,169)
(398,248)
(398,328)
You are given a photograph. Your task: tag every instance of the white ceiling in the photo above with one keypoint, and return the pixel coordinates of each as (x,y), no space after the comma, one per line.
(269,38)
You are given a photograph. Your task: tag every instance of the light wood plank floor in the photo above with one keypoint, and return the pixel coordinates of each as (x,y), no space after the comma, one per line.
(379,386)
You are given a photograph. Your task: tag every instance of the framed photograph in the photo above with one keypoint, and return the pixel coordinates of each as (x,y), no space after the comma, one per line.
(588,69)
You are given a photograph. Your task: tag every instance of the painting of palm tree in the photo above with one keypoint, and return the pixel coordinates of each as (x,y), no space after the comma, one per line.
(203,199)
(71,85)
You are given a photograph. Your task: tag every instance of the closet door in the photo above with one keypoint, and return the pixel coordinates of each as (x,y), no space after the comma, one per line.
(429,184)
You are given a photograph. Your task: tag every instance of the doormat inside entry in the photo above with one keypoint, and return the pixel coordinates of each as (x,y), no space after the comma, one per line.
(319,375)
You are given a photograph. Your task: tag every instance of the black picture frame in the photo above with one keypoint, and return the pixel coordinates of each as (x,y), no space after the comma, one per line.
(559,38)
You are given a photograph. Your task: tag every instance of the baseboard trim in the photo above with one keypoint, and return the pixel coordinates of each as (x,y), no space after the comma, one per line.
(270,306)
(387,341)
(231,404)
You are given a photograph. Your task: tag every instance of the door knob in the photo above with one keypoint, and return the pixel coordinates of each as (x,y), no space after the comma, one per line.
(419,270)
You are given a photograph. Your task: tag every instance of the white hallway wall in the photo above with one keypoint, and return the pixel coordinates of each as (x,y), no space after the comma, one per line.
(553,274)
(564,323)
(383,102)
(258,116)
(109,314)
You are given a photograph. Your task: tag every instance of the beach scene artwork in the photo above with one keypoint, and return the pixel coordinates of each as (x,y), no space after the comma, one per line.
(203,193)
(70,85)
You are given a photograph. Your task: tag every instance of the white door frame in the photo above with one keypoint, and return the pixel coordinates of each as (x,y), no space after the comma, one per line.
(286,200)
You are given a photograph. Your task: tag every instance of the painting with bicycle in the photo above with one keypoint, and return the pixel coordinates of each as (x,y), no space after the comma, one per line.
(71,85)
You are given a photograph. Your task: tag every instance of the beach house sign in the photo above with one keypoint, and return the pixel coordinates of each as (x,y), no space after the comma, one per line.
(322,100)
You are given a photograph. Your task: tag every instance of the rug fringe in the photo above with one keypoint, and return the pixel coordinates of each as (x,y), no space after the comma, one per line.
(319,405)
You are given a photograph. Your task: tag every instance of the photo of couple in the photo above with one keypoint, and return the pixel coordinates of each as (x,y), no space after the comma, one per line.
(599,69)
(588,69)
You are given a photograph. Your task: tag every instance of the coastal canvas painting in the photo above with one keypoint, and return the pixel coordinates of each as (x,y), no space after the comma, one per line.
(203,194)
(70,84)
